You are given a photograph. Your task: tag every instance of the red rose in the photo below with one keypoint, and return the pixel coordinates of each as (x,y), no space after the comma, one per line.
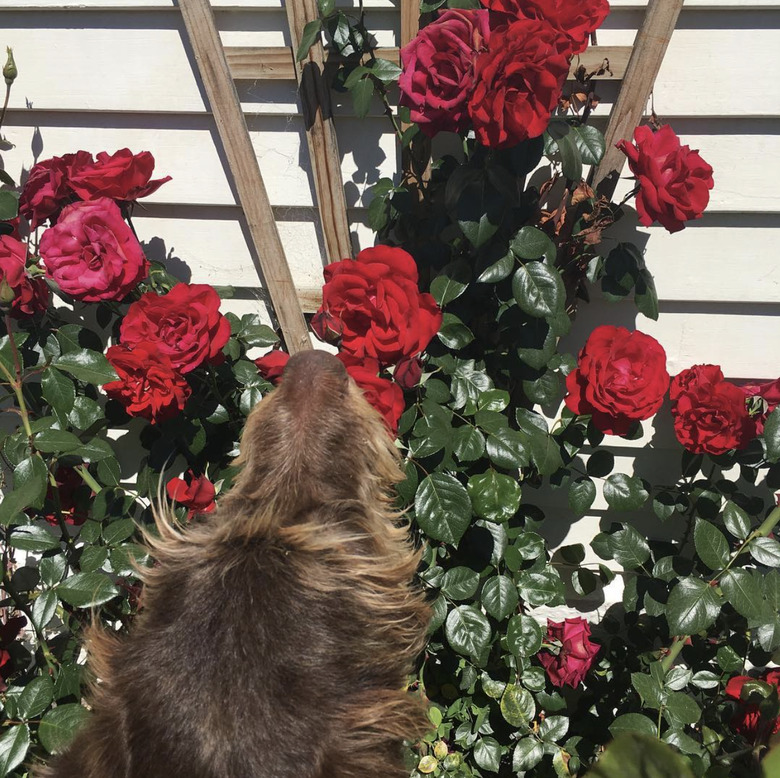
(769,393)
(382,314)
(575,656)
(46,190)
(575,20)
(194,492)
(621,378)
(438,70)
(185,325)
(26,295)
(408,372)
(271,365)
(674,182)
(384,396)
(518,82)
(72,498)
(8,633)
(148,386)
(92,254)
(120,176)
(747,720)
(710,414)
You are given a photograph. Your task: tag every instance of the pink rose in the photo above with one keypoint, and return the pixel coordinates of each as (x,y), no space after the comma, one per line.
(575,656)
(92,254)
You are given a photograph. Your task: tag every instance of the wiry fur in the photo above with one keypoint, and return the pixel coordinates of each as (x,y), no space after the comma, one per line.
(276,633)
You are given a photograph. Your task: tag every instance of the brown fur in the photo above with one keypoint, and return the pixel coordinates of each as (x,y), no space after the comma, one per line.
(276,633)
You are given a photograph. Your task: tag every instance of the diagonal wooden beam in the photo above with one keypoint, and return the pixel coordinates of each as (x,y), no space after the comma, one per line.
(320,134)
(242,161)
(650,46)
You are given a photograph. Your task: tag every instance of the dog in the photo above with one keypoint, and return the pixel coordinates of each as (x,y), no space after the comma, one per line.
(278,632)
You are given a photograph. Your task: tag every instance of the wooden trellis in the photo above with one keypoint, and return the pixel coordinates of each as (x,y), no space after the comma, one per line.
(636,66)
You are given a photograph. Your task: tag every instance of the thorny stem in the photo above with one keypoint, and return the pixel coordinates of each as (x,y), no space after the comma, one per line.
(16,381)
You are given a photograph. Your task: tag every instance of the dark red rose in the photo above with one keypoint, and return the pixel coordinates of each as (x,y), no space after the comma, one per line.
(72,496)
(408,372)
(148,385)
(47,191)
(621,378)
(120,176)
(674,181)
(710,414)
(747,720)
(768,393)
(381,311)
(8,633)
(194,492)
(92,254)
(518,82)
(185,325)
(26,295)
(271,365)
(438,70)
(576,19)
(573,660)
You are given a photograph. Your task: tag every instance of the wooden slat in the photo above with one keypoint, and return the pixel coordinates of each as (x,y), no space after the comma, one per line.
(226,108)
(320,135)
(263,63)
(647,55)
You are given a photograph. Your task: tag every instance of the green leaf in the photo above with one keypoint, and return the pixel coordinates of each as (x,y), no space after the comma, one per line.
(117,531)
(650,690)
(499,596)
(467,630)
(88,366)
(682,708)
(632,722)
(527,754)
(469,443)
(85,413)
(36,697)
(31,478)
(590,143)
(362,92)
(13,745)
(765,551)
(9,209)
(771,435)
(711,544)
(553,728)
(453,333)
(460,583)
(385,70)
(546,454)
(498,271)
(508,448)
(311,32)
(545,588)
(86,590)
(624,492)
(582,493)
(693,606)
(56,441)
(538,289)
(629,548)
(487,754)
(532,243)
(523,636)
(58,390)
(517,705)
(630,750)
(95,450)
(34,538)
(478,232)
(442,507)
(44,607)
(451,283)
(59,726)
(570,158)
(494,496)
(736,520)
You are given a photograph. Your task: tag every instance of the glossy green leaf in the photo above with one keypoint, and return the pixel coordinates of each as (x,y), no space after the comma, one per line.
(771,436)
(765,551)
(630,749)
(453,333)
(87,590)
(624,492)
(442,507)
(693,605)
(36,697)
(34,538)
(532,243)
(629,548)
(517,705)
(736,520)
(89,366)
(527,754)
(538,289)
(59,726)
(524,635)
(711,544)
(494,496)
(460,583)
(508,448)
(499,596)
(311,33)
(13,747)
(467,630)
(487,754)
(582,493)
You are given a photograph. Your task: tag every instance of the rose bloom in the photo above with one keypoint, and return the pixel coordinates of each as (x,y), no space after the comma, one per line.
(374,302)
(148,385)
(185,325)
(386,397)
(438,70)
(120,176)
(710,414)
(674,181)
(576,655)
(194,492)
(621,378)
(518,82)
(46,191)
(92,254)
(747,720)
(26,295)
(576,20)
(769,392)
(271,365)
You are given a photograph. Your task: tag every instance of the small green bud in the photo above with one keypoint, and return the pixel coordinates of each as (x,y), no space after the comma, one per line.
(9,71)
(6,295)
